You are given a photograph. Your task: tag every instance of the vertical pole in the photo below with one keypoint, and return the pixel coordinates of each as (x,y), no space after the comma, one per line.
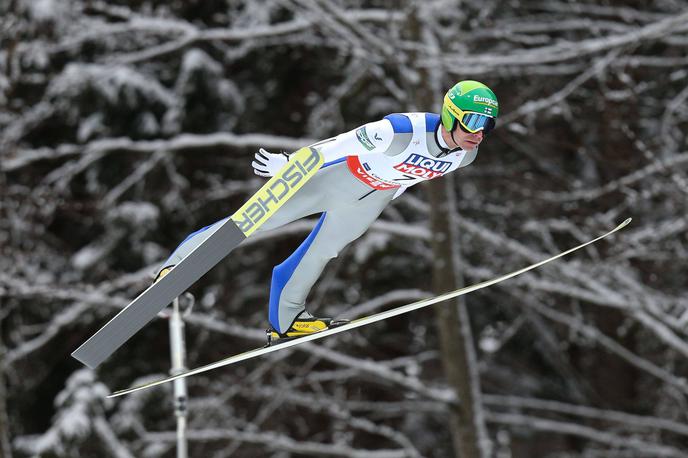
(178,349)
(5,442)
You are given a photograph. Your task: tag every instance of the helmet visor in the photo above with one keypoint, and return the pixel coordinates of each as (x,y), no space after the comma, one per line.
(475,122)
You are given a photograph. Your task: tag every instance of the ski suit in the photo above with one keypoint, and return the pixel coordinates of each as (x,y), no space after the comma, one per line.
(364,170)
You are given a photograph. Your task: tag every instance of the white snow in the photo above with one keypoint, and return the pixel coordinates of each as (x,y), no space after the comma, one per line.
(369,244)
(116,84)
(88,256)
(75,405)
(44,10)
(138,214)
(90,127)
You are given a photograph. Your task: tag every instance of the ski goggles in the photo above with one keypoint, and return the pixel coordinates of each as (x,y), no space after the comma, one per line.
(472,122)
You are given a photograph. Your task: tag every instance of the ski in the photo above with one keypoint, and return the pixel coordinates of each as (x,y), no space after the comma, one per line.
(361,321)
(302,165)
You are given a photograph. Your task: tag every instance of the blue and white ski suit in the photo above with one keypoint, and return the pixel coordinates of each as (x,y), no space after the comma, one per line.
(364,170)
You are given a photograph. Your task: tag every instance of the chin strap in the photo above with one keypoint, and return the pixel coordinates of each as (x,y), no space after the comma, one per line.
(452,137)
(446,150)
(451,133)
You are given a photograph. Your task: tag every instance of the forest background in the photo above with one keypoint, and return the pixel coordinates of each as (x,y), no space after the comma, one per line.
(126,125)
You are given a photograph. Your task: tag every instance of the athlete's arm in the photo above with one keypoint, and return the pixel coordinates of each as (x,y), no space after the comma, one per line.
(372,138)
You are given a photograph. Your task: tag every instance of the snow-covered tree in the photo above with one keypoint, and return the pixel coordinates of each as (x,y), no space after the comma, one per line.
(126,125)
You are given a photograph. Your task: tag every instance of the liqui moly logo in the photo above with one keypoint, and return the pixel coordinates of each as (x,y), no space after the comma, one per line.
(423,167)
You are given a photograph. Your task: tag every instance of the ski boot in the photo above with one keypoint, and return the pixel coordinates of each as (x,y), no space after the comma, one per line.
(164,271)
(303,325)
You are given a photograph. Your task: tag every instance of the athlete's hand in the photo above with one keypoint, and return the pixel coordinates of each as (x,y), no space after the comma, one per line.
(267,164)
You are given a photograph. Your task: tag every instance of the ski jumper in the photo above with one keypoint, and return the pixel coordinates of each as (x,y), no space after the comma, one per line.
(364,170)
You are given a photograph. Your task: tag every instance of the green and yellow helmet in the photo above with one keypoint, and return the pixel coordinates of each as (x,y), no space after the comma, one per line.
(471,105)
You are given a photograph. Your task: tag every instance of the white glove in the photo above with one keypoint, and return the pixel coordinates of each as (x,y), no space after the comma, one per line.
(268,164)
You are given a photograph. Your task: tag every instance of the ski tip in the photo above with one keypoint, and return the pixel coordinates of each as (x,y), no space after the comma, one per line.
(625,223)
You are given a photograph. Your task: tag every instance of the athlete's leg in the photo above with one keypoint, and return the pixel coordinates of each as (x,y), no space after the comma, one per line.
(309,200)
(293,279)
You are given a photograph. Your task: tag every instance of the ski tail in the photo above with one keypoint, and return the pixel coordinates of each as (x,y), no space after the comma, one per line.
(363,321)
(303,164)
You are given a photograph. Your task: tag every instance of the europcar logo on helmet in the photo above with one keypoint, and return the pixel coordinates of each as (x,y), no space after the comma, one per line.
(485,100)
(423,167)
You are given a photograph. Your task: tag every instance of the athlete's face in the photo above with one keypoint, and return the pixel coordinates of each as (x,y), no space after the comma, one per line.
(467,140)
(462,139)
